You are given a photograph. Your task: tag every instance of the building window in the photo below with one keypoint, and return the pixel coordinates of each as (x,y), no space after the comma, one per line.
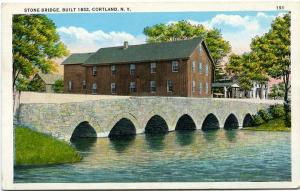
(84,84)
(193,86)
(200,87)
(200,67)
(206,69)
(206,87)
(94,70)
(113,70)
(132,87)
(200,50)
(70,85)
(113,88)
(169,86)
(94,88)
(153,68)
(132,69)
(193,66)
(153,86)
(174,66)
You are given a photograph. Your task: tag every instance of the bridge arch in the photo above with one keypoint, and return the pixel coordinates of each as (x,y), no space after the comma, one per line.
(231,122)
(83,130)
(124,127)
(156,124)
(248,120)
(210,122)
(185,122)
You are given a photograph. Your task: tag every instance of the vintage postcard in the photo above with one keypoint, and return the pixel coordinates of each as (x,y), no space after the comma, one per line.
(150,95)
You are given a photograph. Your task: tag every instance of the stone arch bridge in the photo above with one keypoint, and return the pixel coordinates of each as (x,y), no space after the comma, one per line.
(64,115)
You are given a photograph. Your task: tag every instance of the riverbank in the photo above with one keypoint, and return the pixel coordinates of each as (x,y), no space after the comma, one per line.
(272,125)
(33,148)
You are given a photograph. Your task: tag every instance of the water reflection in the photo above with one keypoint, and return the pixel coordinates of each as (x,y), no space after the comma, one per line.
(155,142)
(179,156)
(84,144)
(121,143)
(184,138)
(231,135)
(210,135)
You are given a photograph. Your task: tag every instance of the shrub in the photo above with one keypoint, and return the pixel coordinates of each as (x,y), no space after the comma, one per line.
(58,86)
(257,120)
(265,115)
(276,111)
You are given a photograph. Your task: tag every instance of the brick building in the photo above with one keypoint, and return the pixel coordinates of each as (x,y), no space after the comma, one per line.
(179,68)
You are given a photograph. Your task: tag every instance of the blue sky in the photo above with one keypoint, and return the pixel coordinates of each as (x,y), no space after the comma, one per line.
(89,32)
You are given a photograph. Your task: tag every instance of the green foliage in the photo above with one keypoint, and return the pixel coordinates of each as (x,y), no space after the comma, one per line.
(246,69)
(269,57)
(58,86)
(22,84)
(271,120)
(273,50)
(276,111)
(277,124)
(35,45)
(33,148)
(181,30)
(277,91)
(265,115)
(36,84)
(257,120)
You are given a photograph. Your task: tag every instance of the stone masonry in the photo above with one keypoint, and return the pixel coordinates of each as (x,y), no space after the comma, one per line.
(60,119)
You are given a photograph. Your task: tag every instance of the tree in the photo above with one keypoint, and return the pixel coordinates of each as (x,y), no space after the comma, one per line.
(35,44)
(273,51)
(183,30)
(22,84)
(37,85)
(247,70)
(277,91)
(58,86)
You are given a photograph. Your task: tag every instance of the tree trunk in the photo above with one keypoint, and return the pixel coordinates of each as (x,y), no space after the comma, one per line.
(287,109)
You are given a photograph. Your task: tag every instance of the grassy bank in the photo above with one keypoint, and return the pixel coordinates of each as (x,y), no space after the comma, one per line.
(33,148)
(272,125)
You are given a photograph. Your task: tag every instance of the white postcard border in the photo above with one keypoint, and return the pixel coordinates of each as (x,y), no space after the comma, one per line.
(9,9)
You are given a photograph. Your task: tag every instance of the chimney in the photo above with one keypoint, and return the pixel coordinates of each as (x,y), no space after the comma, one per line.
(125,45)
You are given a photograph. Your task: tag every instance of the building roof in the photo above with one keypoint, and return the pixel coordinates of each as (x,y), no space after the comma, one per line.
(77,58)
(222,84)
(49,78)
(145,52)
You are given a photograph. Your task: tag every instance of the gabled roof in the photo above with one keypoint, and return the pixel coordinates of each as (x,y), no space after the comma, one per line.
(145,52)
(49,78)
(222,84)
(77,58)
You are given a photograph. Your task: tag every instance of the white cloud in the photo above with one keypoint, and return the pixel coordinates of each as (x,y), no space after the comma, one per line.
(243,28)
(79,39)
(237,29)
(244,22)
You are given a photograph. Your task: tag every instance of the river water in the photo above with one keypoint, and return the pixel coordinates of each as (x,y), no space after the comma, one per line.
(180,156)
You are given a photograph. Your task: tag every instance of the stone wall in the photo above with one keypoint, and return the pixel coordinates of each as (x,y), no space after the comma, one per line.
(60,119)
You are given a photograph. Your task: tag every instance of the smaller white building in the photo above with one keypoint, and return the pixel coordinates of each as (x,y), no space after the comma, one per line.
(231,89)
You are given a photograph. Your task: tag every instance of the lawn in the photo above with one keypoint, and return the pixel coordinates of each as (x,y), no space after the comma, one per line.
(272,125)
(33,148)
